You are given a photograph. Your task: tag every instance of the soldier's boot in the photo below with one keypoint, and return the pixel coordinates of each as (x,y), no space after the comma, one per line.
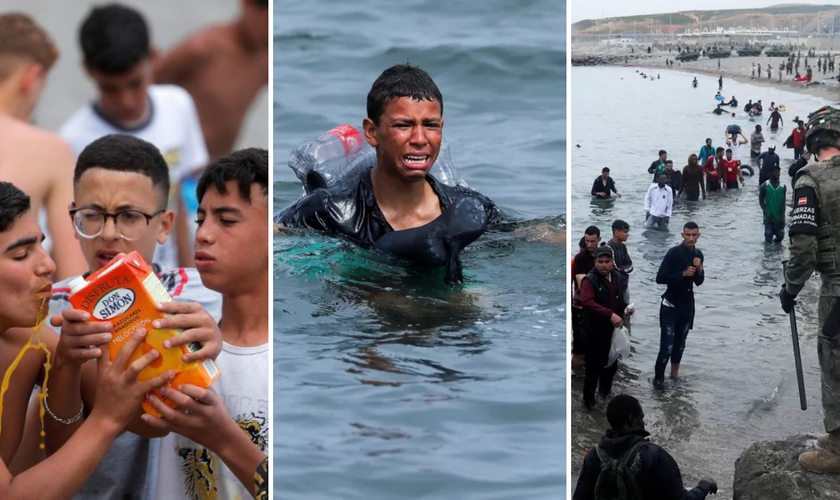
(823,461)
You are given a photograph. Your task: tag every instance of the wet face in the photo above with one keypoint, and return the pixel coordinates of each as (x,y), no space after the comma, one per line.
(408,137)
(123,97)
(774,175)
(591,241)
(663,157)
(669,165)
(663,179)
(708,142)
(621,234)
(224,222)
(603,264)
(729,155)
(25,268)
(690,237)
(111,191)
(605,175)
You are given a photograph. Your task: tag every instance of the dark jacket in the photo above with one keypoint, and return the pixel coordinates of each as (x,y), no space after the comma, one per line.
(349,209)
(767,160)
(599,187)
(680,291)
(797,166)
(608,300)
(656,472)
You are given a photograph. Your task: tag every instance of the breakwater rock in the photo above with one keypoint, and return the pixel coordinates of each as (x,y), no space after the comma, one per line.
(771,470)
(601,59)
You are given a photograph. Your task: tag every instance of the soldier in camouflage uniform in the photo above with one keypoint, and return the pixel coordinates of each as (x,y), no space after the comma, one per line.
(815,246)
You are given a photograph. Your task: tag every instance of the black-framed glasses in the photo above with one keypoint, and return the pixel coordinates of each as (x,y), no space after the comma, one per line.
(89,222)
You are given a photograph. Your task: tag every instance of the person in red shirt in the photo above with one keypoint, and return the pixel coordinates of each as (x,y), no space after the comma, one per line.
(602,298)
(713,170)
(797,140)
(731,171)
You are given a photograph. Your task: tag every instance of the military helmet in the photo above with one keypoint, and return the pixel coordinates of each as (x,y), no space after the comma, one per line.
(822,129)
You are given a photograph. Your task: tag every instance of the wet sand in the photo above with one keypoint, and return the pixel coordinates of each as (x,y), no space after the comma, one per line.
(739,69)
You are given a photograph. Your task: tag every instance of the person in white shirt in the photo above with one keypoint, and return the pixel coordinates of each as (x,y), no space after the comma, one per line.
(117,57)
(219,439)
(659,202)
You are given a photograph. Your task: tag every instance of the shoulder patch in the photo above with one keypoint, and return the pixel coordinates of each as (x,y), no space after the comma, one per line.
(804,216)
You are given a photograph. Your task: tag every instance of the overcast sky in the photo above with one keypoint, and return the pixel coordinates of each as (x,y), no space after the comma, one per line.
(597,9)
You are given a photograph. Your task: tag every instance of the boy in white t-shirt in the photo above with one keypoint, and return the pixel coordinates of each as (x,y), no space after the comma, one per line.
(117,57)
(213,455)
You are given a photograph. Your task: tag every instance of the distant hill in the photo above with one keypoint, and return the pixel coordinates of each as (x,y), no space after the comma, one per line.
(803,18)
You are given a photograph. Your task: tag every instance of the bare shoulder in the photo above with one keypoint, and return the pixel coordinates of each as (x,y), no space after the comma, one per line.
(205,42)
(26,137)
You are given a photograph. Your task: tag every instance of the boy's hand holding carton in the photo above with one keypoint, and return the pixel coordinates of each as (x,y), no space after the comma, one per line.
(126,295)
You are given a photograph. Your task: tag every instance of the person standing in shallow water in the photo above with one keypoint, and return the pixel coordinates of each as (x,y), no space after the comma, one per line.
(604,185)
(583,263)
(772,196)
(602,297)
(680,270)
(692,180)
(814,226)
(659,202)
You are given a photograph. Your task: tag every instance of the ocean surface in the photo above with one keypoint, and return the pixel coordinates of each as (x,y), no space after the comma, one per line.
(737,381)
(387,383)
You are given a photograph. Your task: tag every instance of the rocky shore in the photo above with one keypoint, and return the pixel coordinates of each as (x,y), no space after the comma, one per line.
(771,470)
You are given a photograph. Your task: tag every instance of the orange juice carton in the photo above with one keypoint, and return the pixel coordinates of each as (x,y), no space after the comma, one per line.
(125,293)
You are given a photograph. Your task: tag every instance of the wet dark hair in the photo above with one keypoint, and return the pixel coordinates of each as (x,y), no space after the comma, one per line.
(592,231)
(758,128)
(719,150)
(620,225)
(691,225)
(126,153)
(582,243)
(605,169)
(621,410)
(662,152)
(13,204)
(401,80)
(728,150)
(708,139)
(669,161)
(246,167)
(114,38)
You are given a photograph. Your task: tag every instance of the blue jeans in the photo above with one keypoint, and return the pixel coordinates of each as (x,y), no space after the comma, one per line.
(674,323)
(774,229)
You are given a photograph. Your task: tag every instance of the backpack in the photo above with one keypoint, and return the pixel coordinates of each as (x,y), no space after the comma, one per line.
(616,481)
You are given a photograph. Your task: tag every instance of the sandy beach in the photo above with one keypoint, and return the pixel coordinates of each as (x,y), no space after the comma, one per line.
(739,69)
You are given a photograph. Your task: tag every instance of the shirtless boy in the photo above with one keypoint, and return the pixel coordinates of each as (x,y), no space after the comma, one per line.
(37,161)
(203,64)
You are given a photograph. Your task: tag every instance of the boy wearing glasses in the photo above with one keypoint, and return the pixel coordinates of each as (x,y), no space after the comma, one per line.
(121,187)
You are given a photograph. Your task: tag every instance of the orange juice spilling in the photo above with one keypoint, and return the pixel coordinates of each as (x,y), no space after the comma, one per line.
(125,293)
(33,343)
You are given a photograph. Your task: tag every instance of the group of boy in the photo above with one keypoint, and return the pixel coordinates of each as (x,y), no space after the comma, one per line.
(132,149)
